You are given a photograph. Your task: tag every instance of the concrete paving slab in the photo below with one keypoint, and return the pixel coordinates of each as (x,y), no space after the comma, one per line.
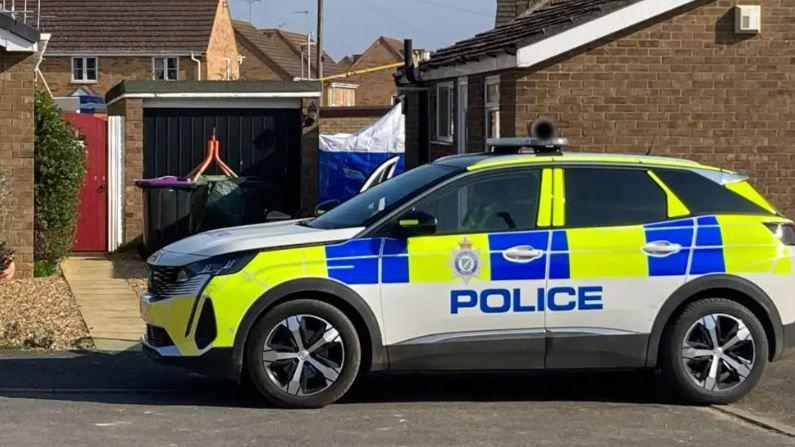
(108,304)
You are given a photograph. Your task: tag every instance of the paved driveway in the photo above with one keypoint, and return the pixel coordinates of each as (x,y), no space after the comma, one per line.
(99,400)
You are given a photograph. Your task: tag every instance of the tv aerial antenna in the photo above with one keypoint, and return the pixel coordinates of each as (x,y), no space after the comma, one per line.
(250,7)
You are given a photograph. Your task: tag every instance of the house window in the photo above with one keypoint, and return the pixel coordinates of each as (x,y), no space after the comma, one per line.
(492,107)
(84,69)
(165,69)
(342,95)
(444,112)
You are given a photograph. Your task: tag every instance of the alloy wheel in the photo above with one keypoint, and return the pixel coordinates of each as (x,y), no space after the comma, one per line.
(303,355)
(719,352)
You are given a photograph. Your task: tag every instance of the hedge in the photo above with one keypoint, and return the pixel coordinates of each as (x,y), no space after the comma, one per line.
(59,172)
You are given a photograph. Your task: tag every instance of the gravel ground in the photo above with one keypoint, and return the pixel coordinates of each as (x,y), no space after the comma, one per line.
(41,313)
(128,265)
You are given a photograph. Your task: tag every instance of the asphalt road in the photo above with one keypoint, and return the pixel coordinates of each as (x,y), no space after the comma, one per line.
(99,400)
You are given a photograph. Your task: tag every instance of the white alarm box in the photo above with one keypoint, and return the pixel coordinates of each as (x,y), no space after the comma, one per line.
(748,19)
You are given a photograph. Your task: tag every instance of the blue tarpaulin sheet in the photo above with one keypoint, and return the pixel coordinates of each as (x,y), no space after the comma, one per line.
(347,160)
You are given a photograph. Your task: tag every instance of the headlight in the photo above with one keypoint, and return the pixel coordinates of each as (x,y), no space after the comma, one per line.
(219,265)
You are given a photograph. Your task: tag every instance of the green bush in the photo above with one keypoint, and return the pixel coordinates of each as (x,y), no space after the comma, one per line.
(59,172)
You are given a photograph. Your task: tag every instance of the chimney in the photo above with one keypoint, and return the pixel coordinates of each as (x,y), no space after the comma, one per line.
(507,10)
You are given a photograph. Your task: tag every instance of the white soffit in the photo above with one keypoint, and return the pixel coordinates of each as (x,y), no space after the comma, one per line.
(594,30)
(16,44)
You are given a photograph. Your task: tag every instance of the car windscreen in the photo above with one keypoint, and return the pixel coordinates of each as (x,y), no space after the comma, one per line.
(368,206)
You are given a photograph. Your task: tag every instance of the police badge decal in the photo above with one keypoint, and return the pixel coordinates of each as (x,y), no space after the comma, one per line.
(466,261)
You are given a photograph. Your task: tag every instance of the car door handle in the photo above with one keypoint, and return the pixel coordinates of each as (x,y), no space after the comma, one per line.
(662,248)
(522,254)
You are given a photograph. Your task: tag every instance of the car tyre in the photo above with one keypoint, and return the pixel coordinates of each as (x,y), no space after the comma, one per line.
(303,354)
(714,352)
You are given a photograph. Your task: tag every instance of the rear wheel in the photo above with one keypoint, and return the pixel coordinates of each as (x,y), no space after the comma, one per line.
(714,352)
(304,354)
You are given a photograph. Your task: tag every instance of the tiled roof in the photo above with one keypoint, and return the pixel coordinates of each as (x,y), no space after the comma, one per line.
(282,48)
(555,17)
(140,26)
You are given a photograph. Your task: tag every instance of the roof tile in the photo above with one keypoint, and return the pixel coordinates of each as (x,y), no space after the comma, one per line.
(140,26)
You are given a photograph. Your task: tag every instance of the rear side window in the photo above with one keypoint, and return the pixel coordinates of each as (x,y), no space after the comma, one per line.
(703,196)
(612,197)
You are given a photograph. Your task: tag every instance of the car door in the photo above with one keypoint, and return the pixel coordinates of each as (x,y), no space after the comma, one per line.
(466,296)
(625,244)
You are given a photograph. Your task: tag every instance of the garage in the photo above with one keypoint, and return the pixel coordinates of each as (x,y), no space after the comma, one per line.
(263,143)
(267,130)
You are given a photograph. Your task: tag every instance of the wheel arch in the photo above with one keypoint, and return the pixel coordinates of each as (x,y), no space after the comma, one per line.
(732,287)
(332,292)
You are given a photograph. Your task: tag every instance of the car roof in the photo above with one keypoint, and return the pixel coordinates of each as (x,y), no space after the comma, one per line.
(479,161)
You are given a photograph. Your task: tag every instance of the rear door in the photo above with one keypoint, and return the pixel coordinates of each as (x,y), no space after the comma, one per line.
(466,297)
(625,244)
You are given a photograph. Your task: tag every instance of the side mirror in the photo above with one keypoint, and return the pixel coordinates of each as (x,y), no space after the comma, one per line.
(416,224)
(326,206)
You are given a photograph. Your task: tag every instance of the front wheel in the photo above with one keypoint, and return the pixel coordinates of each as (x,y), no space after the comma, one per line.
(303,354)
(715,352)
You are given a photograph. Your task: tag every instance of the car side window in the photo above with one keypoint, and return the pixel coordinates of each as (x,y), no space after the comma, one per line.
(612,197)
(486,204)
(703,196)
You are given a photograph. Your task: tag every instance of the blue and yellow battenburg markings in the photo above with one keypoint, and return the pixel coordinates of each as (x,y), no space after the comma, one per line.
(390,261)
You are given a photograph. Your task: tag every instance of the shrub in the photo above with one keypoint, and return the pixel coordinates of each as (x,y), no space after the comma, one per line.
(60,167)
(6,254)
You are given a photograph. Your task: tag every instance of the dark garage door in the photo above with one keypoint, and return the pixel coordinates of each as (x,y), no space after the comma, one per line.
(262,143)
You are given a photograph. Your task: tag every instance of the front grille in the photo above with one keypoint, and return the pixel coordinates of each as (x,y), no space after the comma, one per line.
(163,283)
(161,278)
(157,337)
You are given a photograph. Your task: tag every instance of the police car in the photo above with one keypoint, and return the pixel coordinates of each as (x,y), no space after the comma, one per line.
(516,259)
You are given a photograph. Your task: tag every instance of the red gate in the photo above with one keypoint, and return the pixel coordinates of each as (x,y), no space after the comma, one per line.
(91,234)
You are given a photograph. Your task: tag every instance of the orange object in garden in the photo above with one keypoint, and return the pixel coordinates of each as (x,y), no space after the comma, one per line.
(213,155)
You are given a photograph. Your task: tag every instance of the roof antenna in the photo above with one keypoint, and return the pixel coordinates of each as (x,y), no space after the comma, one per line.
(651,146)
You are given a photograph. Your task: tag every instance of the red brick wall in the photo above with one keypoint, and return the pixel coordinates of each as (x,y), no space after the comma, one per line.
(687,86)
(16,154)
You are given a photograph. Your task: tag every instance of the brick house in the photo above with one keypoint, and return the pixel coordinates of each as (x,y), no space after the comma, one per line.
(708,80)
(376,88)
(19,44)
(95,45)
(275,54)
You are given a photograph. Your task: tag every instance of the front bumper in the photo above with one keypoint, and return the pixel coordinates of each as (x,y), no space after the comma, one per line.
(216,363)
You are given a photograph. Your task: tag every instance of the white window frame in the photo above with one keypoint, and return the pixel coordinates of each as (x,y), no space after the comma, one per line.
(489,107)
(448,139)
(84,61)
(165,60)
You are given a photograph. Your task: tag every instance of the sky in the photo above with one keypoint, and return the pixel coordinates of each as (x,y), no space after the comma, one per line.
(352,25)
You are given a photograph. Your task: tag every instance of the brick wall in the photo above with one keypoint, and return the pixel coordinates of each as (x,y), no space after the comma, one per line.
(133,111)
(16,153)
(222,46)
(254,68)
(112,70)
(334,120)
(377,88)
(687,86)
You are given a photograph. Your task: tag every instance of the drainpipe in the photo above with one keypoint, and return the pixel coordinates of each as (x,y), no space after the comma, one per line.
(198,66)
(44,40)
